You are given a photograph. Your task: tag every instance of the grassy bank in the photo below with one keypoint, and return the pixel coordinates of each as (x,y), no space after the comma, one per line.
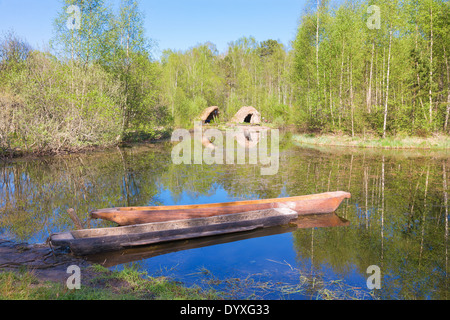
(37,273)
(399,142)
(128,284)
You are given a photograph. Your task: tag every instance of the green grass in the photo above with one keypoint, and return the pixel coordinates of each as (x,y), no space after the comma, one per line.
(128,284)
(435,142)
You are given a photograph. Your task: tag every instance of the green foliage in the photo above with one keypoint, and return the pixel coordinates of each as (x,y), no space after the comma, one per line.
(249,73)
(346,88)
(45,115)
(90,41)
(103,86)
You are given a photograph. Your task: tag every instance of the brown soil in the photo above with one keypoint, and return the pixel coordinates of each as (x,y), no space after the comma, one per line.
(45,263)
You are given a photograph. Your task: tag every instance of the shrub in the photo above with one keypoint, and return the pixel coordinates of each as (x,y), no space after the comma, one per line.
(52,106)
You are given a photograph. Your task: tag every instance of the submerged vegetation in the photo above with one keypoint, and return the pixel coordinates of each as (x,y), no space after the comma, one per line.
(306,285)
(98,85)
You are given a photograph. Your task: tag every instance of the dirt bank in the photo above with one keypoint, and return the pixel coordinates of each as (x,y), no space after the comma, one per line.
(45,263)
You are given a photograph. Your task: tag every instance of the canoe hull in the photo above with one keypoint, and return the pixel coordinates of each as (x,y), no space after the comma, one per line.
(303,205)
(110,259)
(93,241)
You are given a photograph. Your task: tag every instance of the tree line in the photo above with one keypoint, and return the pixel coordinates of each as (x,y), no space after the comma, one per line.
(392,78)
(97,84)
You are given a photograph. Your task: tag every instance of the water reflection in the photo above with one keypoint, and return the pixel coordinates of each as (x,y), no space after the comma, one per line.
(109,259)
(398,212)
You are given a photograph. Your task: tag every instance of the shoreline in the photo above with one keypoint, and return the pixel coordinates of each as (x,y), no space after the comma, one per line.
(441,142)
(131,139)
(438,143)
(38,272)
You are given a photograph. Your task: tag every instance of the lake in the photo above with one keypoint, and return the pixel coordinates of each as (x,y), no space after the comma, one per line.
(396,220)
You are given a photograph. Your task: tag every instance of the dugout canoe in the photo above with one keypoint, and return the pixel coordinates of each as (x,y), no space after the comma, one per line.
(129,255)
(308,204)
(93,241)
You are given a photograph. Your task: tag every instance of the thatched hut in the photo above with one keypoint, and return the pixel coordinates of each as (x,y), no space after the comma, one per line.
(209,114)
(247,115)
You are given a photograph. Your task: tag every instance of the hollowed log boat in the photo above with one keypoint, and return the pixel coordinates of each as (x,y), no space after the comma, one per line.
(308,204)
(91,241)
(138,253)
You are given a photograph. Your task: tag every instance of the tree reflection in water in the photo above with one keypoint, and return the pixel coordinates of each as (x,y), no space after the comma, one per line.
(398,212)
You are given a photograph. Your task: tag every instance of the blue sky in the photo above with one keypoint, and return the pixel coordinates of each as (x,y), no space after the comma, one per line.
(173,24)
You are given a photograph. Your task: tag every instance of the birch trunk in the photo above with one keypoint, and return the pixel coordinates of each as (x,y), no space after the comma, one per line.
(387,86)
(431,67)
(317,51)
(369,94)
(448,91)
(351,96)
(340,83)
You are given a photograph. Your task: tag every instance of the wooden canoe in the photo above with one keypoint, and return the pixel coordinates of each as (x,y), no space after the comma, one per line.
(128,255)
(303,205)
(92,241)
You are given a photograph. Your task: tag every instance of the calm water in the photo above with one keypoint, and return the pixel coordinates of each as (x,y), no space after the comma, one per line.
(397,218)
